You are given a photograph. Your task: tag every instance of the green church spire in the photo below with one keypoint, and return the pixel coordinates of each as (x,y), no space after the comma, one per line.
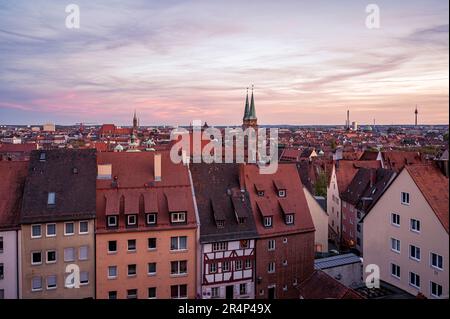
(246,107)
(252,111)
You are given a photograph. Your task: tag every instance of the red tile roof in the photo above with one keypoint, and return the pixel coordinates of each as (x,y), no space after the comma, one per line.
(269,203)
(434,187)
(12,174)
(322,286)
(396,160)
(346,171)
(18,148)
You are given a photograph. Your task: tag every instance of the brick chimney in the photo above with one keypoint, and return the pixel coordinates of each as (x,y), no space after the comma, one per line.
(157,167)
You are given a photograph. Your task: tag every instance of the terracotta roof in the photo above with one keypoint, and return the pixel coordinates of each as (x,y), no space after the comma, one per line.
(135,181)
(369,156)
(434,187)
(322,286)
(19,148)
(396,160)
(268,204)
(70,174)
(13,174)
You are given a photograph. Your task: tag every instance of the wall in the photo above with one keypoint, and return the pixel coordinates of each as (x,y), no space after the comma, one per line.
(10,264)
(320,220)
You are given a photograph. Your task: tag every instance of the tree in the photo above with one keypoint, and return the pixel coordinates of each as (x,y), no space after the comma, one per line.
(320,189)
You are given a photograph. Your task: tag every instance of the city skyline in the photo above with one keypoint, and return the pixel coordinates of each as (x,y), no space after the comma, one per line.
(183,60)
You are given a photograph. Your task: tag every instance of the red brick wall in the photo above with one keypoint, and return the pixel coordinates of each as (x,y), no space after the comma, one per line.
(299,253)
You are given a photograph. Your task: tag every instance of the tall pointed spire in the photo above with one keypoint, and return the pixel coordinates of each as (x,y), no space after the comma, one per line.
(246,107)
(252,112)
(135,121)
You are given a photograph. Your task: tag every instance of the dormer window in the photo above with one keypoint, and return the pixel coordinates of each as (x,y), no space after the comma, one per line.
(261,193)
(42,157)
(289,219)
(112,221)
(282,193)
(151,219)
(132,220)
(178,217)
(51,199)
(268,221)
(220,223)
(259,189)
(242,220)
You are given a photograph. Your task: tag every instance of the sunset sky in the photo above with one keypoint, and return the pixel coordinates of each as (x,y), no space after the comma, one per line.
(176,61)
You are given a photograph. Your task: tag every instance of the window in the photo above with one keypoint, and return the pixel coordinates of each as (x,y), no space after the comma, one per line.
(112,221)
(436,290)
(238,265)
(243,289)
(2,271)
(285,262)
(112,294)
(281,193)
(36,283)
(42,157)
(112,272)
(51,230)
(51,199)
(112,246)
(437,261)
(405,198)
(151,269)
(179,217)
(131,244)
(51,256)
(220,246)
(242,220)
(178,267)
(178,291)
(395,219)
(69,229)
(271,244)
(131,293)
(285,287)
(358,228)
(415,225)
(132,270)
(84,227)
(69,254)
(151,243)
(212,268)
(395,245)
(414,252)
(271,267)
(285,240)
(289,219)
(36,231)
(395,271)
(83,253)
(131,220)
(51,282)
(215,292)
(178,243)
(1,245)
(220,223)
(260,193)
(267,221)
(414,280)
(152,292)
(248,263)
(226,266)
(36,258)
(151,219)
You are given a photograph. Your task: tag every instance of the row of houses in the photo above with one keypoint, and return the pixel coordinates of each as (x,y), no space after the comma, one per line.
(392,209)
(82,224)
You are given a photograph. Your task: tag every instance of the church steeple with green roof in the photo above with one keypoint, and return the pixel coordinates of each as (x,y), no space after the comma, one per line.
(250,119)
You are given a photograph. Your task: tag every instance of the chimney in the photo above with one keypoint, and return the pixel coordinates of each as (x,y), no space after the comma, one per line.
(242,177)
(157,167)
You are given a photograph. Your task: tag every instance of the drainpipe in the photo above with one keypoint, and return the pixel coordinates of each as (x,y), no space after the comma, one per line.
(198,274)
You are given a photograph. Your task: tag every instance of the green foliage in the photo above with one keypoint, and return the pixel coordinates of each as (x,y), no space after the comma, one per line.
(320,188)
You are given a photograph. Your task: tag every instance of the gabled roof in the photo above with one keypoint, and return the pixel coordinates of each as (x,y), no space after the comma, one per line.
(13,174)
(396,160)
(74,189)
(434,187)
(346,171)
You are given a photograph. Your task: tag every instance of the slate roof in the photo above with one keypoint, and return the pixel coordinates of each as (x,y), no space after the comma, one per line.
(71,175)
(336,261)
(218,195)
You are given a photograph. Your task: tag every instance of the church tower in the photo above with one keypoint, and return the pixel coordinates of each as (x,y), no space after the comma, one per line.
(250,119)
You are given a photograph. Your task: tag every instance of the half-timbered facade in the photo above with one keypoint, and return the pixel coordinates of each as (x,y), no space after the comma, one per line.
(227,232)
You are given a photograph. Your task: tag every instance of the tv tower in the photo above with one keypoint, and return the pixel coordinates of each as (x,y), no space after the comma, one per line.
(415,113)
